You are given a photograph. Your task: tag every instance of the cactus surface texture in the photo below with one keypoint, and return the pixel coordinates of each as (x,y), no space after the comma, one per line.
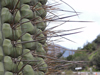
(22,39)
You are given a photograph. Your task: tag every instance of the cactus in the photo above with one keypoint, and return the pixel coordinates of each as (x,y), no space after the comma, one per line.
(22,38)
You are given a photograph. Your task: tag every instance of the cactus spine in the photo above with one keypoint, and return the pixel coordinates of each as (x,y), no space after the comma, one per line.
(22,38)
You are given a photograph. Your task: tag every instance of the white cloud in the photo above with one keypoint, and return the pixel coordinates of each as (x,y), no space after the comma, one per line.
(89,34)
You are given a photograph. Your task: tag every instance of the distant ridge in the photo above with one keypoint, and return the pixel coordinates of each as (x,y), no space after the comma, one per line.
(55,49)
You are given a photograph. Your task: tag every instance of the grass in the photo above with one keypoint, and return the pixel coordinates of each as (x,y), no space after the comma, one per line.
(91,56)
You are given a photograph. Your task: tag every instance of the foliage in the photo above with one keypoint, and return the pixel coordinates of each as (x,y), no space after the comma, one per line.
(70,57)
(89,52)
(90,47)
(96,61)
(93,51)
(97,40)
(78,56)
(92,55)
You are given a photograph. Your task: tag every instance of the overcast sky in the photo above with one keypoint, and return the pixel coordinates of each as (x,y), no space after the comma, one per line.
(90,11)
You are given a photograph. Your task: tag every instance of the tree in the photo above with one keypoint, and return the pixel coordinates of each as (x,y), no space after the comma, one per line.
(96,60)
(80,56)
(97,40)
(90,47)
(70,57)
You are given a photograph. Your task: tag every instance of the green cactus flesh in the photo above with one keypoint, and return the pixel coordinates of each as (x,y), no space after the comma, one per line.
(22,39)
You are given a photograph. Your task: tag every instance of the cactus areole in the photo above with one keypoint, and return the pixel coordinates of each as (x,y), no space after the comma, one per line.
(22,39)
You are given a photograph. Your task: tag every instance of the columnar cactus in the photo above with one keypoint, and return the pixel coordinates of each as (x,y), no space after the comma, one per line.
(21,37)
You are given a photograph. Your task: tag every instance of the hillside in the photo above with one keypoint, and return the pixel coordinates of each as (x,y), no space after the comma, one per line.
(92,48)
(90,52)
(55,49)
